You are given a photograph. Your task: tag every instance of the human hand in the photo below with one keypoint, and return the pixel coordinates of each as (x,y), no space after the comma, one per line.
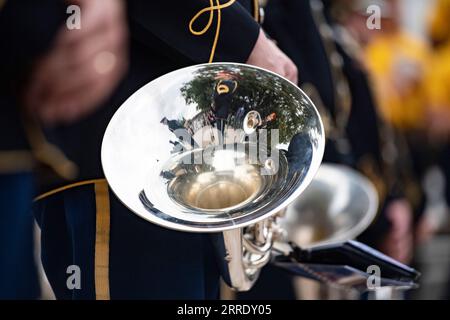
(84,65)
(267,55)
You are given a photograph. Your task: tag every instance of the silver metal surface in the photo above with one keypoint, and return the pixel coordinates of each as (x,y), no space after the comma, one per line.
(338,205)
(179,156)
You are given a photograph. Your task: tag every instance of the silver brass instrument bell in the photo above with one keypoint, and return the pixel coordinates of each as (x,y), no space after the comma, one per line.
(338,205)
(220,148)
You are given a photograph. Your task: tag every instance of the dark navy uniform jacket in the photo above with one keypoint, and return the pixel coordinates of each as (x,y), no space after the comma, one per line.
(145,260)
(160,42)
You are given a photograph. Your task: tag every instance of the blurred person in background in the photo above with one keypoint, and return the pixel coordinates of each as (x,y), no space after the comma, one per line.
(397,64)
(332,73)
(409,83)
(35,33)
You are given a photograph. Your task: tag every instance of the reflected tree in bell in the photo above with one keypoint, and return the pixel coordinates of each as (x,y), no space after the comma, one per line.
(256,90)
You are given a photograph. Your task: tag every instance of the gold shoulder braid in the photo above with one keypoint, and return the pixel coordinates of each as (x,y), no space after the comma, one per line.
(215,5)
(211,9)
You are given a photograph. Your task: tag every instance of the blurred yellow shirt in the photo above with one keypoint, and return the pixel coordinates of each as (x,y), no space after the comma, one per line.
(397,64)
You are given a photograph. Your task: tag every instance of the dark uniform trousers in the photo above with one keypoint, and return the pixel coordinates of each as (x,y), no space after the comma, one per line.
(120,255)
(18,277)
(26,30)
(143,261)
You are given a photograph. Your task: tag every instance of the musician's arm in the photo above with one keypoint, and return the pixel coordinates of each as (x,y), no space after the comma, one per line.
(172,22)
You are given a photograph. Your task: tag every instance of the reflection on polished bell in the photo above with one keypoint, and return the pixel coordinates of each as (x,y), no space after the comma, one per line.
(337,206)
(213,147)
(217,147)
